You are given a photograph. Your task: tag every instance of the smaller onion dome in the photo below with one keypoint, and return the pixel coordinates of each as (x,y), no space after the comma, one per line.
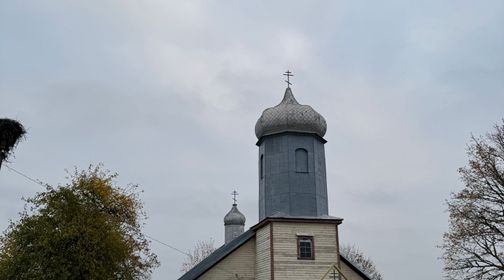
(289,115)
(234,217)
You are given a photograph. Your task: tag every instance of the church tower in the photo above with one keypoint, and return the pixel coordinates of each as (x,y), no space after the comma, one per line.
(234,222)
(292,169)
(295,238)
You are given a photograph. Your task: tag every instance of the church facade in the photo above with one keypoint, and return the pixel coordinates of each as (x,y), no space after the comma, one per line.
(295,237)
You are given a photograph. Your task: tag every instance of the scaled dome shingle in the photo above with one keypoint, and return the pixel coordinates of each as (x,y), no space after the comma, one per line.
(234,217)
(289,115)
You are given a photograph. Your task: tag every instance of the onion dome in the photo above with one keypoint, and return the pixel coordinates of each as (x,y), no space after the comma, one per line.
(234,217)
(289,115)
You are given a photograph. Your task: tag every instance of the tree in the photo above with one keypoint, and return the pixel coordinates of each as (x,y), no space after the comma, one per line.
(473,247)
(356,257)
(86,229)
(11,132)
(202,250)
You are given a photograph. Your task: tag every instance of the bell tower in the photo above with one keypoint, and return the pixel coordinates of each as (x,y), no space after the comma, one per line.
(292,169)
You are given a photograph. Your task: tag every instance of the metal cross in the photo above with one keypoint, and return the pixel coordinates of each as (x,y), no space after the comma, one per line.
(334,275)
(234,194)
(288,74)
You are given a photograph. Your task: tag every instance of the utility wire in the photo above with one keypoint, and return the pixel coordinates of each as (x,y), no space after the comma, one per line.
(43,185)
(169,246)
(26,176)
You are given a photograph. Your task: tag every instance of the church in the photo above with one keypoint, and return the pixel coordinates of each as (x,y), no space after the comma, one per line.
(295,237)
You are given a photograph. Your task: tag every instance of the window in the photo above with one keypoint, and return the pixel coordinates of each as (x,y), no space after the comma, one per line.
(305,248)
(301,160)
(261,167)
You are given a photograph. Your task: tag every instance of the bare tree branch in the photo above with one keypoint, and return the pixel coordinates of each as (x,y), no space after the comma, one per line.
(202,250)
(364,263)
(474,244)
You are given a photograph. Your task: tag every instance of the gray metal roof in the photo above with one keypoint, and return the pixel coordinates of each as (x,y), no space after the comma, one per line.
(289,115)
(321,217)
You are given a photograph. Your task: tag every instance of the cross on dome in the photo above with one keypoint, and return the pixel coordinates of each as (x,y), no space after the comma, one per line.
(234,194)
(288,74)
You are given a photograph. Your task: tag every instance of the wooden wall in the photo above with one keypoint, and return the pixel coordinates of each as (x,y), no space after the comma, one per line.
(263,258)
(239,265)
(287,266)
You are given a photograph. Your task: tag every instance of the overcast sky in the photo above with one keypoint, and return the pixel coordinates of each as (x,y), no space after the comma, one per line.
(167,93)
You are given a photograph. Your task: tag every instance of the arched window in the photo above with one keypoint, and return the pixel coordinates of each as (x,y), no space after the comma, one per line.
(261,167)
(301,160)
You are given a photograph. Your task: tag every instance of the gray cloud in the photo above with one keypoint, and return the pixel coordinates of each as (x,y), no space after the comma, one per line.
(167,94)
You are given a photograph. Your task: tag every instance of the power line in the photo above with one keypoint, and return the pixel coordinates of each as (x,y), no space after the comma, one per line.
(26,176)
(187,254)
(36,181)
(169,246)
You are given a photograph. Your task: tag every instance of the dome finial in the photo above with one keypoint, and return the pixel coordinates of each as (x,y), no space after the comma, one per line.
(289,98)
(234,194)
(288,74)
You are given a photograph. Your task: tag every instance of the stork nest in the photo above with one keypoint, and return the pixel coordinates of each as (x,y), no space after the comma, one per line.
(11,132)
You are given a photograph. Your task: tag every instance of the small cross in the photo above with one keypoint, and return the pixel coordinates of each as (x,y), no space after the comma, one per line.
(234,194)
(288,74)
(334,275)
